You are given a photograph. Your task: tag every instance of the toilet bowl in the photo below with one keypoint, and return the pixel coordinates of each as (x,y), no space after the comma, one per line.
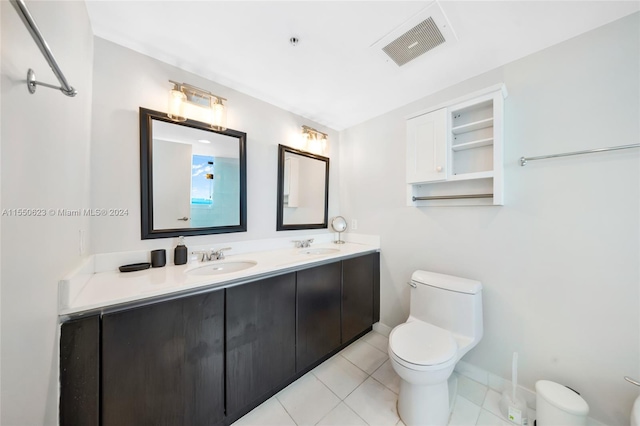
(445,322)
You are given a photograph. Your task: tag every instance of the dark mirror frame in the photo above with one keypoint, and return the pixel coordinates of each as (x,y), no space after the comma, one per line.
(280,226)
(146,178)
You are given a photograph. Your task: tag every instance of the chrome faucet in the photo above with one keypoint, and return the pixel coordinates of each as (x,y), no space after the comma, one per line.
(209,255)
(303,243)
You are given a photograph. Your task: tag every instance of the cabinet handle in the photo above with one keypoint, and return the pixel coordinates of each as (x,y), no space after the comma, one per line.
(438,169)
(183,218)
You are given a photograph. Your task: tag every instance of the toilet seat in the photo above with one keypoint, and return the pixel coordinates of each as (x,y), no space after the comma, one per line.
(420,344)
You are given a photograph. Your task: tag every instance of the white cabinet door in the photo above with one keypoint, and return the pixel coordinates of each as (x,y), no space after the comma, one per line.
(427,147)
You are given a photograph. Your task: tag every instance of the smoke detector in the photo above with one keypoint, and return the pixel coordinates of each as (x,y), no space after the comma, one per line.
(420,34)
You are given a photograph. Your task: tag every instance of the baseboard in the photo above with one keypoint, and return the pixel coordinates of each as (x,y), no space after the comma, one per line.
(381,328)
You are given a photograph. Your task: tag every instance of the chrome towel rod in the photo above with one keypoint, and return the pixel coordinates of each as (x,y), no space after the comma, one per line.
(452,197)
(523,160)
(65,87)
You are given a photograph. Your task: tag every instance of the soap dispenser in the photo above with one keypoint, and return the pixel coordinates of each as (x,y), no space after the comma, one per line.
(180,253)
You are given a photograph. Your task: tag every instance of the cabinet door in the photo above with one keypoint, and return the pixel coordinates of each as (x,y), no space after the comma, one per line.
(427,147)
(318,296)
(261,333)
(163,364)
(357,296)
(80,372)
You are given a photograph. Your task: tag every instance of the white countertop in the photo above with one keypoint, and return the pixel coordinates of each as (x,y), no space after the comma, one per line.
(87,291)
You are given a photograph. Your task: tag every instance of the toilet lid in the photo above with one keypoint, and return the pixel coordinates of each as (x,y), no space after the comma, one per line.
(421,343)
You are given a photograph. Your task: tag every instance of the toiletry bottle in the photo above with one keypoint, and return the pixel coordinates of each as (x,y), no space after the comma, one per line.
(180,253)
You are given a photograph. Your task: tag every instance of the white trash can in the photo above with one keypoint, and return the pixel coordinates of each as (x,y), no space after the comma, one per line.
(557,405)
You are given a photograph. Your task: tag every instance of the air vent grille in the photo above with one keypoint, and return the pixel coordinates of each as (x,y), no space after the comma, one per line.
(415,42)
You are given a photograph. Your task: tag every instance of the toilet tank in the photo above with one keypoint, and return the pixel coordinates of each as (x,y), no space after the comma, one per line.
(448,302)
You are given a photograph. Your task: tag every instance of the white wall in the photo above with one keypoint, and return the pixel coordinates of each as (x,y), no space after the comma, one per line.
(125,80)
(560,261)
(45,164)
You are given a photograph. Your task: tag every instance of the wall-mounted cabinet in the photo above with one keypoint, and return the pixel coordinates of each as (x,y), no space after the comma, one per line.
(454,152)
(427,147)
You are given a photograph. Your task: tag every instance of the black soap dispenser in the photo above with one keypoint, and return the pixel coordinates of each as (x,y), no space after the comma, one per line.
(180,253)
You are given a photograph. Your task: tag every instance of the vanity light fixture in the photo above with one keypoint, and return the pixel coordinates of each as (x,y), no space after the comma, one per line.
(314,140)
(182,94)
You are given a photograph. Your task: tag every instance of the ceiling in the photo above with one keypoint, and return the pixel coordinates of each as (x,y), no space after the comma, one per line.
(333,76)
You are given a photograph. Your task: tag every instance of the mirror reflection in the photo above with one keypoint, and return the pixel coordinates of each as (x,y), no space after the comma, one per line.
(195,178)
(303,188)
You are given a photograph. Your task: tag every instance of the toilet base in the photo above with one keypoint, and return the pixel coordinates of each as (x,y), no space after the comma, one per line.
(424,405)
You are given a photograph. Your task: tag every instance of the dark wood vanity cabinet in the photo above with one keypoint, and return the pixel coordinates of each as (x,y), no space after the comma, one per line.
(318,306)
(261,340)
(79,372)
(163,364)
(209,358)
(357,295)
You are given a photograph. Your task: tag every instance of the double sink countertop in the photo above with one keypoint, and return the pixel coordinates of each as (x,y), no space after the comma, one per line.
(87,291)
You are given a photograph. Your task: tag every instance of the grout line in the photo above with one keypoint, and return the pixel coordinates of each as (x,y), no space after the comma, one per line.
(354,411)
(284,408)
(349,361)
(369,344)
(325,385)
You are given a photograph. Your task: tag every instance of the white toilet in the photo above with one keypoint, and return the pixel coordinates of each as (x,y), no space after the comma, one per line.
(445,322)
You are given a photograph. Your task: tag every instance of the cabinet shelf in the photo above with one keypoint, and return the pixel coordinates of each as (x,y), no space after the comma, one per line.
(476,125)
(473,144)
(457,149)
(469,176)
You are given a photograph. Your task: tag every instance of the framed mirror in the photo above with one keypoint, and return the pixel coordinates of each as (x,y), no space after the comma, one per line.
(303,190)
(193,179)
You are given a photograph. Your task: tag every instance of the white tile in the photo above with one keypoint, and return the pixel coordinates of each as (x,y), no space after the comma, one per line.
(386,375)
(307,400)
(269,413)
(465,412)
(364,356)
(492,403)
(488,419)
(374,403)
(473,372)
(342,416)
(341,376)
(377,340)
(471,390)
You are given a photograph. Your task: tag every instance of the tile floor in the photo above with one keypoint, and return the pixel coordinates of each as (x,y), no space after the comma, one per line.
(358,386)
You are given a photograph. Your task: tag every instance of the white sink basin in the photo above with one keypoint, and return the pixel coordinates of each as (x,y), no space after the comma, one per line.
(312,251)
(222,267)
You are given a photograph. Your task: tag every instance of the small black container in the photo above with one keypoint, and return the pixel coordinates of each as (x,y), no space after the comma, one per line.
(180,253)
(158,258)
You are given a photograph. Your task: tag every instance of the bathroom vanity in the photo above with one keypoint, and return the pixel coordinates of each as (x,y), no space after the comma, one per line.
(210,354)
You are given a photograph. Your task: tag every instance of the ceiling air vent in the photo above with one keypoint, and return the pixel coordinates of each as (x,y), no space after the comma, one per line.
(415,42)
(420,34)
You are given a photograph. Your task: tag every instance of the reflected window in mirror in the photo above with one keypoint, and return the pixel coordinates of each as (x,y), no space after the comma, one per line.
(193,179)
(303,190)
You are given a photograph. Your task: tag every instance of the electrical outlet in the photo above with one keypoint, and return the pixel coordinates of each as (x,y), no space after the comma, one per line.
(354,224)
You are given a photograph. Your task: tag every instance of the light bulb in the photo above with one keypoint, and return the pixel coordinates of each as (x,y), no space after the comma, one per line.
(218,115)
(176,105)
